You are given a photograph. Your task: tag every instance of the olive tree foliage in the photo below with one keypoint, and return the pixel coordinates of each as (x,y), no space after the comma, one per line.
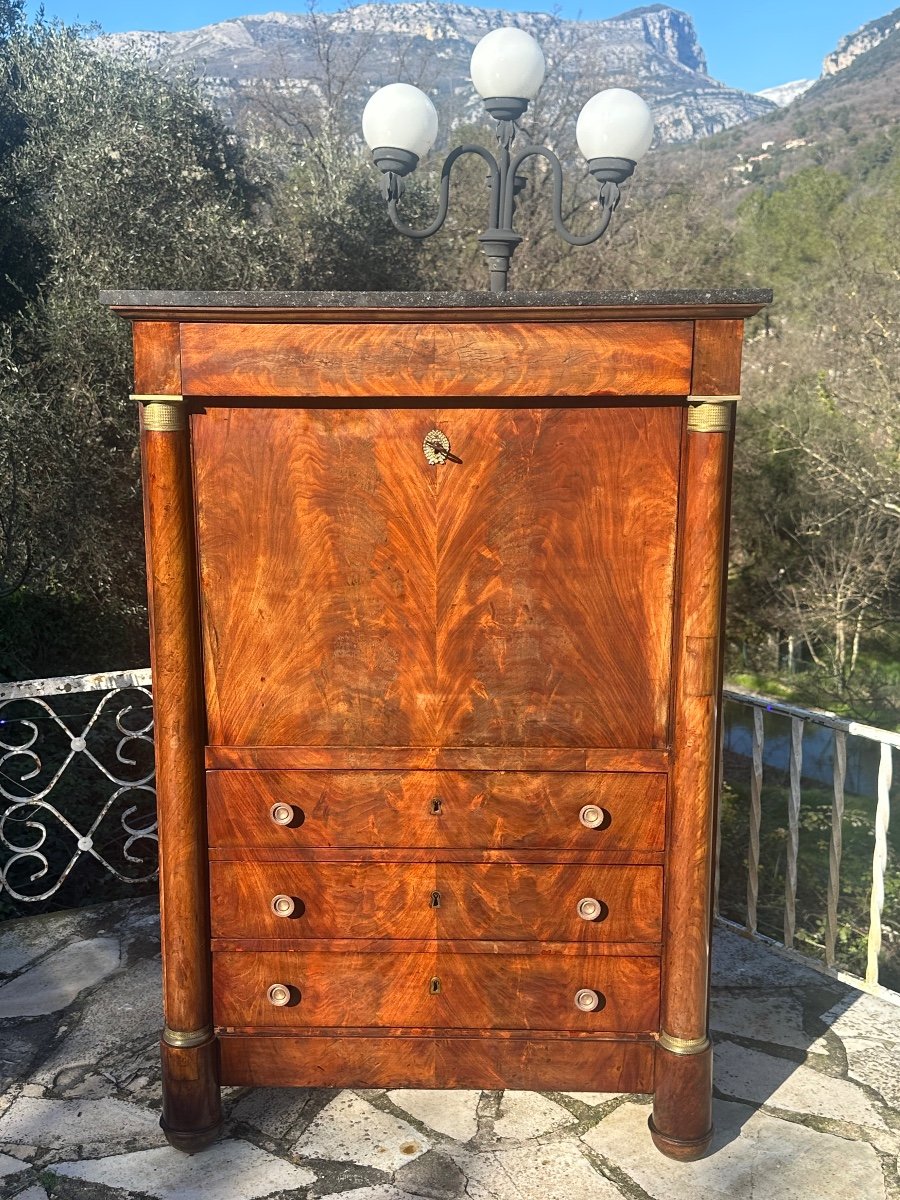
(130,182)
(113,177)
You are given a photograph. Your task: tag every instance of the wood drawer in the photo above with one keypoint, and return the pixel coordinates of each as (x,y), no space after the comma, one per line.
(477,991)
(489,809)
(436,900)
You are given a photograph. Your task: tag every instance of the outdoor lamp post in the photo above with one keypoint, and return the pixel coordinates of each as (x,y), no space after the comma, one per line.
(400,124)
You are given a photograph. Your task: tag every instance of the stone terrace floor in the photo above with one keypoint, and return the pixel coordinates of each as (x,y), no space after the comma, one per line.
(807,1097)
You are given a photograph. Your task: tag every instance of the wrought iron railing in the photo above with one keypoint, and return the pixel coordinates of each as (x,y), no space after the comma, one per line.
(76,784)
(808,749)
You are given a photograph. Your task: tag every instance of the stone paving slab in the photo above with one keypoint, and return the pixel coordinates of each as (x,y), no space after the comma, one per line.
(226,1171)
(349,1129)
(782,1083)
(9,1165)
(452,1113)
(753,1157)
(57,1124)
(527,1115)
(776,1019)
(807,1076)
(860,1016)
(877,1066)
(55,981)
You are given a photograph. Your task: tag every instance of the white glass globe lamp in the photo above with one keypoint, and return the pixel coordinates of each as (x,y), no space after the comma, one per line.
(615,124)
(400,125)
(507,69)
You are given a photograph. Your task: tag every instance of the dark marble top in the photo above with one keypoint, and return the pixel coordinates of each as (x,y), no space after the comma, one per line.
(485,299)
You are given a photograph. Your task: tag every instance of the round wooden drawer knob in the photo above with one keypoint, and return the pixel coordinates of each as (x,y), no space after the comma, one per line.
(283,814)
(284,906)
(589,909)
(592,816)
(279,994)
(587,1000)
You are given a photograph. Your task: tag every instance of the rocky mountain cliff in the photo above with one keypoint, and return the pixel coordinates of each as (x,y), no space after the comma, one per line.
(652,49)
(851,47)
(866,38)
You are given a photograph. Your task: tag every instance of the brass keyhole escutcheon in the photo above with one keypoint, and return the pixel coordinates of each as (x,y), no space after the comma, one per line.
(435,986)
(435,899)
(437,806)
(436,448)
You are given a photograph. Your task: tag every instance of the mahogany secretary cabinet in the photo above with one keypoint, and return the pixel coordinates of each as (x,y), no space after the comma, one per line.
(436,589)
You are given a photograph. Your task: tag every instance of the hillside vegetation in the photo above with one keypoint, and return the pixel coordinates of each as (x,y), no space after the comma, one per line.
(113,176)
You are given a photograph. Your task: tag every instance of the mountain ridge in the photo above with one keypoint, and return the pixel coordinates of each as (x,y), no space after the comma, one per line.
(653,48)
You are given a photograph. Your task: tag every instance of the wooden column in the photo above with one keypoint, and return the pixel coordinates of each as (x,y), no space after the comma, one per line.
(681,1124)
(191,1116)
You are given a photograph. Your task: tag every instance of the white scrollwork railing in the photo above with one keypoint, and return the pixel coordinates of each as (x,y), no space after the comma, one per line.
(82,767)
(824,761)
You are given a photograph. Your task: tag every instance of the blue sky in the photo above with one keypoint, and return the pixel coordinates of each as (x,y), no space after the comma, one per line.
(750,45)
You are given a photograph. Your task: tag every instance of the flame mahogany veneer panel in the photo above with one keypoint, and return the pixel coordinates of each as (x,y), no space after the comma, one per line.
(506,991)
(574,1064)
(615,358)
(396,900)
(514,810)
(353,595)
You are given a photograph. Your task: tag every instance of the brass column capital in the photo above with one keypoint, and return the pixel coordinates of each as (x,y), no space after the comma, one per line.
(711,414)
(162,414)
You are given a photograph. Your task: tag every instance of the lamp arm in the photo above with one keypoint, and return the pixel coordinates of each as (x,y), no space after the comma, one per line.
(444,206)
(609,198)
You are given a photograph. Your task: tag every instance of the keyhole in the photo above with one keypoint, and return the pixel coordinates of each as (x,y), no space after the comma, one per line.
(436,805)
(435,899)
(435,986)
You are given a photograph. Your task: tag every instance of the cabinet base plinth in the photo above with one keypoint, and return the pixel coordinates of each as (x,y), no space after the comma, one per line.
(681,1124)
(192,1111)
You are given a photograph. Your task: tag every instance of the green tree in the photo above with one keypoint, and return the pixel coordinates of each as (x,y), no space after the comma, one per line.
(132,181)
(787,236)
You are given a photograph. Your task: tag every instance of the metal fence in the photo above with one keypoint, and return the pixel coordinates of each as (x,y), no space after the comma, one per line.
(77,782)
(813,748)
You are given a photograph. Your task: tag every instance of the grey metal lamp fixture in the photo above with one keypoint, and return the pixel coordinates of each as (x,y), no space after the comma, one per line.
(400,124)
